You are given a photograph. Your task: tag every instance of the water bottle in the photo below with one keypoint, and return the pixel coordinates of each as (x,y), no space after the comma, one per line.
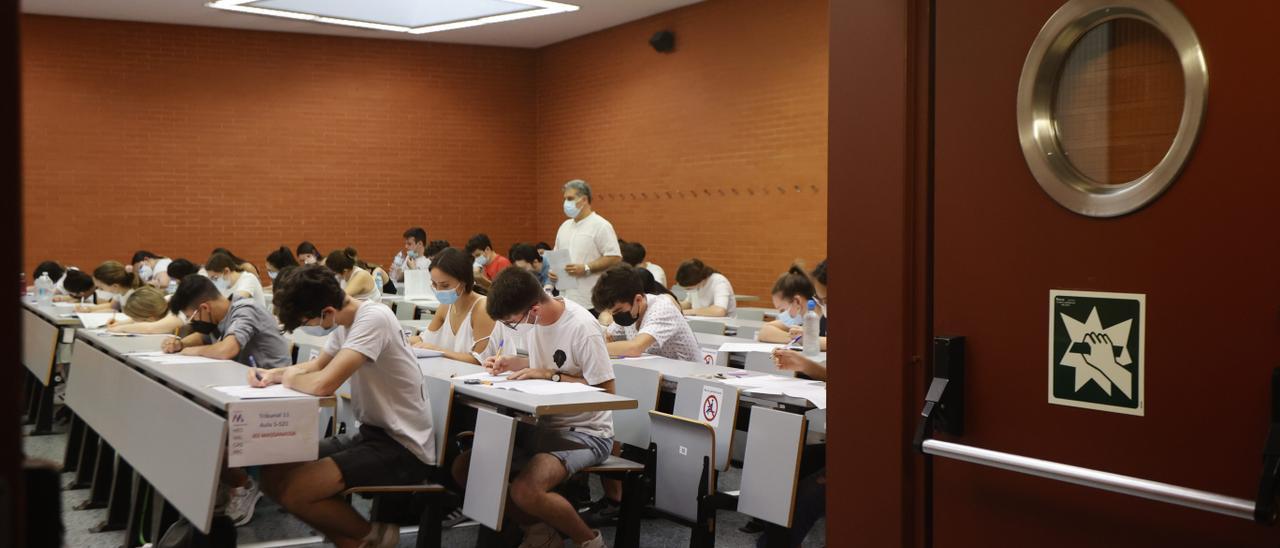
(173,287)
(812,327)
(44,290)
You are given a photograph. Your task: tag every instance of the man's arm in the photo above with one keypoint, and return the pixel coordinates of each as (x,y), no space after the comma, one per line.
(631,348)
(323,379)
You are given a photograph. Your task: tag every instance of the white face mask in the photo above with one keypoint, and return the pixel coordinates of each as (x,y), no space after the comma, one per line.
(146,273)
(309,260)
(221,283)
(273,275)
(319,330)
(341,282)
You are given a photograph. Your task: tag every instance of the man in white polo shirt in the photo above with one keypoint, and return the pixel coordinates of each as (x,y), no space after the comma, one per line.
(590,239)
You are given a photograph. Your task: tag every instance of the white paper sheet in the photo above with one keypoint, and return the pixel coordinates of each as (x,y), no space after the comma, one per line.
(173,359)
(547,388)
(417,285)
(557,259)
(749,347)
(426,353)
(94,320)
(640,357)
(485,376)
(246,392)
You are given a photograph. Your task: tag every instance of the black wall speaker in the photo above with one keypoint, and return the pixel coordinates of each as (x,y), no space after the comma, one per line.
(663,41)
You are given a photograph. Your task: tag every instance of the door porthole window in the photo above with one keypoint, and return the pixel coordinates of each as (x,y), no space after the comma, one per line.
(1110,103)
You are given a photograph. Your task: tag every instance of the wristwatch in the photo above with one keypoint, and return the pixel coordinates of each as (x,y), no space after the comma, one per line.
(555,377)
(587,268)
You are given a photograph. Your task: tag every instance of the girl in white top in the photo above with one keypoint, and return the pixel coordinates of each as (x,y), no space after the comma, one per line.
(462,312)
(152,268)
(710,293)
(231,278)
(355,277)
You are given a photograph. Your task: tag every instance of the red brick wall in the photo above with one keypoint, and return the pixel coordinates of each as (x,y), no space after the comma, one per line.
(179,139)
(717,150)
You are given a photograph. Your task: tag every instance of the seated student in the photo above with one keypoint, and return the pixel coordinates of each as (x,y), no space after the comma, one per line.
(488,262)
(152,268)
(356,278)
(542,247)
(527,257)
(634,254)
(278,260)
(791,295)
(179,269)
(646,316)
(77,287)
(395,443)
(308,254)
(413,256)
(710,293)
(235,328)
(434,248)
(792,360)
(245,266)
(565,345)
(229,276)
(55,272)
(147,311)
(115,284)
(461,314)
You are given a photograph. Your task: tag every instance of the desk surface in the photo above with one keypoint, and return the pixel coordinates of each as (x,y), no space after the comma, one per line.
(733,322)
(56,315)
(425,304)
(675,369)
(529,404)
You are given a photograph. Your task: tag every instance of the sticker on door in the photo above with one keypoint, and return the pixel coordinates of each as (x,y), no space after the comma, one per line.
(1096,350)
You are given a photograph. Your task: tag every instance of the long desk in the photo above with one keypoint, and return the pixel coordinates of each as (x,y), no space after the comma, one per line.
(428,305)
(45,337)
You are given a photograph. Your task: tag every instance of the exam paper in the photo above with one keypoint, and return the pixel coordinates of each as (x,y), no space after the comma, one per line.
(417,285)
(170,359)
(749,347)
(558,259)
(246,392)
(546,388)
(485,376)
(94,320)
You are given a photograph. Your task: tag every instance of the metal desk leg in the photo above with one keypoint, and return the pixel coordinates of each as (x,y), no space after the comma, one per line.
(29,396)
(163,515)
(44,412)
(634,496)
(121,493)
(88,457)
(75,437)
(140,492)
(100,488)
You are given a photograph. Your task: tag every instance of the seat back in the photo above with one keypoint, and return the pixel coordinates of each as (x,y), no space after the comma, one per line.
(406,310)
(763,362)
(685,451)
(706,326)
(771,465)
(745,332)
(306,352)
(680,292)
(485,500)
(713,404)
(440,398)
(631,426)
(749,314)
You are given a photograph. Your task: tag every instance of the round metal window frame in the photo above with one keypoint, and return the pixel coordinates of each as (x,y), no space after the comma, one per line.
(1038,131)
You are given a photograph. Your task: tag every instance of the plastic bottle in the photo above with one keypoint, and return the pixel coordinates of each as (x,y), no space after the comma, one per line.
(173,287)
(44,290)
(812,327)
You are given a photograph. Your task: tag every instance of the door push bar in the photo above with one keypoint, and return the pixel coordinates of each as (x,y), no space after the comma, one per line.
(944,411)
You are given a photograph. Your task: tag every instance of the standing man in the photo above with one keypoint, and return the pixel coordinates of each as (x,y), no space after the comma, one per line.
(412,257)
(590,239)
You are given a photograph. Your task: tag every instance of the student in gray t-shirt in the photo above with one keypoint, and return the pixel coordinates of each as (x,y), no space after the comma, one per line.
(236,329)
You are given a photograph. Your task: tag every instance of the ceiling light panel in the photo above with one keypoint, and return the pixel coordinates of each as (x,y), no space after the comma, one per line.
(411,16)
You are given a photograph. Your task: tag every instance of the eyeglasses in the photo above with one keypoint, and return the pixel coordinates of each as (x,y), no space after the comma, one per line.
(511,325)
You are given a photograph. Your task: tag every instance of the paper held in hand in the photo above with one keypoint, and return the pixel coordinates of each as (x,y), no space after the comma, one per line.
(556,260)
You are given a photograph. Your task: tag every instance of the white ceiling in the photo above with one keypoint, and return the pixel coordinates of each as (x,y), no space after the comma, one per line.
(535,32)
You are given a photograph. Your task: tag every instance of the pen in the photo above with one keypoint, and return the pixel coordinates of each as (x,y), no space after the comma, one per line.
(254,364)
(795,340)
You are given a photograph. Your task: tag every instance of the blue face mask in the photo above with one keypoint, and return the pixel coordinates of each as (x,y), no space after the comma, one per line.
(145,273)
(223,285)
(571,209)
(447,297)
(788,320)
(318,330)
(273,275)
(482,260)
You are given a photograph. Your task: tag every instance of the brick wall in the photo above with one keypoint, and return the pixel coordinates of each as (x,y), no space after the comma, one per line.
(178,139)
(716,150)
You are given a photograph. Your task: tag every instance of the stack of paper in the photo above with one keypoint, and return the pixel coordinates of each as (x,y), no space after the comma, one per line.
(814,391)
(246,392)
(556,260)
(547,388)
(94,320)
(485,376)
(749,347)
(170,359)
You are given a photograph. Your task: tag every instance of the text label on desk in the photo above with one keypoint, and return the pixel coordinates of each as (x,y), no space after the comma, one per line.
(272,431)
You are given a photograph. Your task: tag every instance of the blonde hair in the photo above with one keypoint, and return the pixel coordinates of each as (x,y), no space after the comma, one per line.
(146,304)
(114,273)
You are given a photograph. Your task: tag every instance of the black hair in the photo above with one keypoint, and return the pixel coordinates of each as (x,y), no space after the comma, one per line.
(342,260)
(632,252)
(457,264)
(308,248)
(435,247)
(193,291)
(542,245)
(793,283)
(479,242)
(52,268)
(523,252)
(222,261)
(281,258)
(514,291)
(418,234)
(692,272)
(820,273)
(143,255)
(77,282)
(228,253)
(302,293)
(621,283)
(114,273)
(181,268)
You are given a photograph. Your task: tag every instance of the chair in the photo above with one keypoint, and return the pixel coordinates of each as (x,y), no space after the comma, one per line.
(440,398)
(683,456)
(771,466)
(756,314)
(706,326)
(406,310)
(694,401)
(745,332)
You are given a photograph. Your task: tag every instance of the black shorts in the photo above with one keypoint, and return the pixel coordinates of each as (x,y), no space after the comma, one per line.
(372,458)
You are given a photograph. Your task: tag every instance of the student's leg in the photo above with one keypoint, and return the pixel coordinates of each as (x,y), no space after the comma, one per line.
(532,493)
(311,491)
(613,487)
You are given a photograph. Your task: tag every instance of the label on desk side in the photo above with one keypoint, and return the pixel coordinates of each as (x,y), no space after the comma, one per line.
(708,358)
(272,431)
(709,411)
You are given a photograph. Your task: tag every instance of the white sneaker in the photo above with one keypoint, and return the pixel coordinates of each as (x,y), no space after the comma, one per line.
(242,503)
(454,519)
(597,542)
(540,535)
(382,535)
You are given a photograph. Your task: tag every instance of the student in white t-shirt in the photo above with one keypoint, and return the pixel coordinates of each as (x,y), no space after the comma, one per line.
(152,268)
(590,239)
(414,255)
(565,345)
(230,277)
(710,293)
(646,317)
(394,444)
(634,254)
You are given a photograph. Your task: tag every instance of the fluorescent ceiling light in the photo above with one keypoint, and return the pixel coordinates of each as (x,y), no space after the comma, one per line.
(413,17)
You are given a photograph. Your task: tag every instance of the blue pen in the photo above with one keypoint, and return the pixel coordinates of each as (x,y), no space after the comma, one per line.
(254,364)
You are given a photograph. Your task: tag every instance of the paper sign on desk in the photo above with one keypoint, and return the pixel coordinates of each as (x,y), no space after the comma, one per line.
(417,285)
(272,432)
(94,320)
(708,358)
(709,411)
(556,260)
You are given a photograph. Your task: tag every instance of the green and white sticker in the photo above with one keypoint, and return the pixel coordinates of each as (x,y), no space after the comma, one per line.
(1096,350)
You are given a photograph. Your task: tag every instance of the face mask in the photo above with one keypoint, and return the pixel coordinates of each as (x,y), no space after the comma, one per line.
(624,319)
(318,330)
(571,209)
(309,260)
(223,286)
(273,275)
(202,327)
(482,260)
(412,253)
(447,297)
(789,320)
(145,273)
(341,282)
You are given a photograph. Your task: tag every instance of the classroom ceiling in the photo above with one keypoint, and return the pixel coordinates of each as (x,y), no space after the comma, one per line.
(535,32)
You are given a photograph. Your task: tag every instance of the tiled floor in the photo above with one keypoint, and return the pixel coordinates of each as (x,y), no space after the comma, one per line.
(270,523)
